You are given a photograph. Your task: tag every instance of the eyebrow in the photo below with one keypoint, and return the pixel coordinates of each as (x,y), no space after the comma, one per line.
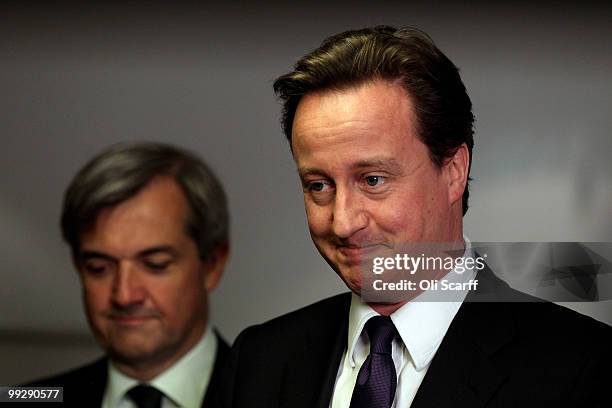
(155,250)
(84,255)
(388,164)
(307,171)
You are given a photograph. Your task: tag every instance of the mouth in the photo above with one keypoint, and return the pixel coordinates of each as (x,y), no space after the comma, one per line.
(130,320)
(354,254)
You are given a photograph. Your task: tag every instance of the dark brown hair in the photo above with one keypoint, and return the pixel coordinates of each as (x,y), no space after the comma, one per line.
(406,56)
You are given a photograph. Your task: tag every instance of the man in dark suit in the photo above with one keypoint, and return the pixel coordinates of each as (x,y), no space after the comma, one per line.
(381,129)
(147,224)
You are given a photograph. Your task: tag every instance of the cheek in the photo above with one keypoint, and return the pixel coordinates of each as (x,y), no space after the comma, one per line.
(97,303)
(404,214)
(96,296)
(167,294)
(179,297)
(319,220)
(399,222)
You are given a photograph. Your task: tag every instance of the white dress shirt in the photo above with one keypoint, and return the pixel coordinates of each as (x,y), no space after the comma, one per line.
(183,384)
(421,324)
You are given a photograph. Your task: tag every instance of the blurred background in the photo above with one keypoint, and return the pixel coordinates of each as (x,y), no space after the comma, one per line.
(75,79)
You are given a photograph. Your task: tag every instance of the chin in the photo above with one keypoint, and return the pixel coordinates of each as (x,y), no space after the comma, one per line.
(350,274)
(130,343)
(352,279)
(132,352)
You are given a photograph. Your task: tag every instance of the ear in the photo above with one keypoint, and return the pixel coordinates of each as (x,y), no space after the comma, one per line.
(456,168)
(214,266)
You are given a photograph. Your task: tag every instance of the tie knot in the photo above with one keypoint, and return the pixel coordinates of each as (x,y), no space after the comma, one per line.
(381,332)
(145,396)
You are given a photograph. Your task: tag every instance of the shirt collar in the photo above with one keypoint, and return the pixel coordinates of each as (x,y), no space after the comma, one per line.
(185,382)
(118,384)
(421,323)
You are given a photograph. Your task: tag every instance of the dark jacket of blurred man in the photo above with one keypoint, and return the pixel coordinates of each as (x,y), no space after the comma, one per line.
(381,130)
(148,227)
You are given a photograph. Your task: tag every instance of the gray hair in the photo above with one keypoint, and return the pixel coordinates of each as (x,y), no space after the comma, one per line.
(122,170)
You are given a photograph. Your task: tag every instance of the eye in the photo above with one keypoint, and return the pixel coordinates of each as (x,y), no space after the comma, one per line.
(374,181)
(317,186)
(157,265)
(96,267)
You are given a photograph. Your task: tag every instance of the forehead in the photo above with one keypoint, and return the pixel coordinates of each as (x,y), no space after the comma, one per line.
(155,215)
(375,99)
(373,119)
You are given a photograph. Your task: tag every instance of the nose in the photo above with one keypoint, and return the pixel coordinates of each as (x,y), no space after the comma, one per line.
(127,286)
(349,215)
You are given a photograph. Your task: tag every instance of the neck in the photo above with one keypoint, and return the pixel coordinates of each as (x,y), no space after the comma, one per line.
(148,368)
(385,309)
(141,373)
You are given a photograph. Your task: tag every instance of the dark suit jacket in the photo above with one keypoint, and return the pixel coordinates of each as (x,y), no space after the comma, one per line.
(84,386)
(495,354)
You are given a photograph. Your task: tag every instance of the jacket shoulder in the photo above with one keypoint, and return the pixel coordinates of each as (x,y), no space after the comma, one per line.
(537,316)
(295,351)
(316,316)
(94,372)
(561,325)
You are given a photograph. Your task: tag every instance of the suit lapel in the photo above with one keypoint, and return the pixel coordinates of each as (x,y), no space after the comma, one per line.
(464,372)
(329,368)
(90,386)
(212,395)
(311,373)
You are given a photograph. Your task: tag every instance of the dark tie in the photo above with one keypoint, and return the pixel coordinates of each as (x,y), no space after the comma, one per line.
(376,381)
(145,396)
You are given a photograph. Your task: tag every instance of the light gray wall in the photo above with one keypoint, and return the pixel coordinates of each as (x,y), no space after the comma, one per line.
(74,81)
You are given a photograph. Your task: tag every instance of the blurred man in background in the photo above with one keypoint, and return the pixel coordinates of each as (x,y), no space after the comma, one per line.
(148,227)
